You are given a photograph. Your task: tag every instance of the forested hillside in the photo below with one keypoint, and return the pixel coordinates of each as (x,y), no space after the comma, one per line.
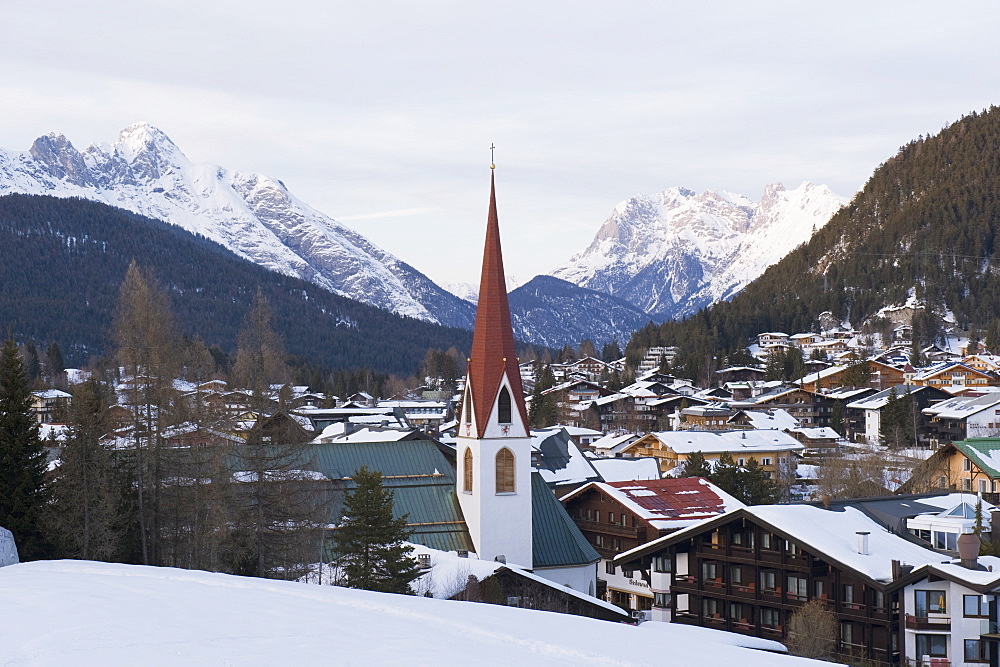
(925,222)
(62,262)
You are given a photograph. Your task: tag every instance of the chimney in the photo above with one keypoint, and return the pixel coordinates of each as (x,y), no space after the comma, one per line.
(968,550)
(863,542)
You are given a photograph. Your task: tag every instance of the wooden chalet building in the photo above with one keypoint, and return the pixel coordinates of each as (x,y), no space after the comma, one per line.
(618,516)
(749,570)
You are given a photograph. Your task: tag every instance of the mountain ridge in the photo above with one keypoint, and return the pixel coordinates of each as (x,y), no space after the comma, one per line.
(678,251)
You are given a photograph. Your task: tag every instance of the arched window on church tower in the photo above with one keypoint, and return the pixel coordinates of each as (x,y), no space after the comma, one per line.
(505,471)
(466,408)
(467,470)
(503,407)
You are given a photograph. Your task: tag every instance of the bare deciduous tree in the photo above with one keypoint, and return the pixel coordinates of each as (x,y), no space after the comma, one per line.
(812,631)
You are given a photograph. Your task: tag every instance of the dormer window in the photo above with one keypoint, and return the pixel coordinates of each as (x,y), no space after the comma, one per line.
(504,407)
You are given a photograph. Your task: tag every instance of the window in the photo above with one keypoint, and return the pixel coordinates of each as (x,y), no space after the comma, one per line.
(505,471)
(503,406)
(627,573)
(879,604)
(967,484)
(765,461)
(767,541)
(467,407)
(819,591)
(932,645)
(709,571)
(467,470)
(769,617)
(736,574)
(849,593)
(945,540)
(791,548)
(768,581)
(973,605)
(661,564)
(661,600)
(976,651)
(609,567)
(929,602)
(984,486)
(798,587)
(848,634)
(711,608)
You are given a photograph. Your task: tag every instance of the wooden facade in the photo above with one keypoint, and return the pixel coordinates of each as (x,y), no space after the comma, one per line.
(741,575)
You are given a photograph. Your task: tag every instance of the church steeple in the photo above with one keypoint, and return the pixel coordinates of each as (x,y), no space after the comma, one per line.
(493,350)
(493,447)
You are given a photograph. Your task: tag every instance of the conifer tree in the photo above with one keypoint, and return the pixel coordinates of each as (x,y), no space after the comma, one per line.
(370,543)
(87,507)
(727,475)
(22,460)
(756,485)
(697,466)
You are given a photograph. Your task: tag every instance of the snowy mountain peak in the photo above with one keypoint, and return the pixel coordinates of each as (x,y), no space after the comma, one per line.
(678,251)
(254,216)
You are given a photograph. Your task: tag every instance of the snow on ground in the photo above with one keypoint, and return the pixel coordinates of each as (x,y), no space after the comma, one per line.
(86,613)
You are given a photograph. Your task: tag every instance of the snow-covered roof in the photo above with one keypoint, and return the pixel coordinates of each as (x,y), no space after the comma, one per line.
(623,470)
(828,533)
(611,444)
(51,393)
(962,407)
(878,401)
(817,432)
(771,419)
(716,442)
(667,503)
(578,430)
(56,432)
(821,374)
(561,462)
(449,574)
(211,618)
(340,432)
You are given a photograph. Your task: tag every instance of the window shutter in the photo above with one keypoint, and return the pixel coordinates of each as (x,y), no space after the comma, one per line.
(467,470)
(505,471)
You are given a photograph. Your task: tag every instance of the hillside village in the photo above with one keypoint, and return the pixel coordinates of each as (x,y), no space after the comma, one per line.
(828,471)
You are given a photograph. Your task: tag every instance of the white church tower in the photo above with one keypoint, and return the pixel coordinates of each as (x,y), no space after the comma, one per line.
(494,444)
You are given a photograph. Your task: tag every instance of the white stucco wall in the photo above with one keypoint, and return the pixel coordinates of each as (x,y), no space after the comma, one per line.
(581,578)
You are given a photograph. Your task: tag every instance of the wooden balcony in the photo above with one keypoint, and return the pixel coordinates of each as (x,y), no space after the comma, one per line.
(941,624)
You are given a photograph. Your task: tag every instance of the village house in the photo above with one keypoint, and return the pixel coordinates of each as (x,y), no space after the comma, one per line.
(47,404)
(750,569)
(954,377)
(774,450)
(619,516)
(872,407)
(970,465)
(711,417)
(950,610)
(968,415)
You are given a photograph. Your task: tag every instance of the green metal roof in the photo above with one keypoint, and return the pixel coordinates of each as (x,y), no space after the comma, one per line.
(556,541)
(422,480)
(984,452)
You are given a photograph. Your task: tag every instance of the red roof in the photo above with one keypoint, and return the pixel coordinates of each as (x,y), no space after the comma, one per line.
(493,350)
(683,498)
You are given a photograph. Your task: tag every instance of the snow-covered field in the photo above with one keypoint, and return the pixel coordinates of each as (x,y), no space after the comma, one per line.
(86,613)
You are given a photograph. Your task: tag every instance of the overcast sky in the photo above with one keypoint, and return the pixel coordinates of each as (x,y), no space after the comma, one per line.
(381,114)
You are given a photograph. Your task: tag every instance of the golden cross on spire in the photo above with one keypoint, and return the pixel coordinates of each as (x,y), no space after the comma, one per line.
(492,164)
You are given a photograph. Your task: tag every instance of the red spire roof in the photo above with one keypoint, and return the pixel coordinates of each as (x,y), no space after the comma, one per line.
(493,350)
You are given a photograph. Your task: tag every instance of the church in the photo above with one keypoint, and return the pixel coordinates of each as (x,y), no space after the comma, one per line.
(482,497)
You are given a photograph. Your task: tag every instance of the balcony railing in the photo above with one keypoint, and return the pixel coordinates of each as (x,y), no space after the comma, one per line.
(928,662)
(987,627)
(942,623)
